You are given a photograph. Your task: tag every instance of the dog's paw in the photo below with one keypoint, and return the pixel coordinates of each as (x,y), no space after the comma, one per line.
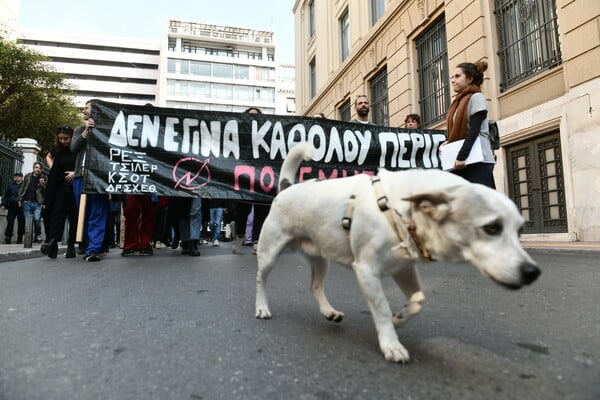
(396,354)
(335,316)
(263,313)
(409,310)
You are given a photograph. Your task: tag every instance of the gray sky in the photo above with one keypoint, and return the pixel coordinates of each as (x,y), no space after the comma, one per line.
(147,19)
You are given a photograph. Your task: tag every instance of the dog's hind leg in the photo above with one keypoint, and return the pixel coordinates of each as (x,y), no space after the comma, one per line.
(410,284)
(268,252)
(318,268)
(370,285)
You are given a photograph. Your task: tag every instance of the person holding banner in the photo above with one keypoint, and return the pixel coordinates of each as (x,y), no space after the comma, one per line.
(96,205)
(241,210)
(139,211)
(361,105)
(467,120)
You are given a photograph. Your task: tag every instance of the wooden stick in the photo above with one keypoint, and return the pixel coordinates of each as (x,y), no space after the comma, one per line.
(81,218)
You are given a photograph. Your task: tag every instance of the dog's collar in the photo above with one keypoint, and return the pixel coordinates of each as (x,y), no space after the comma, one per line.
(403,230)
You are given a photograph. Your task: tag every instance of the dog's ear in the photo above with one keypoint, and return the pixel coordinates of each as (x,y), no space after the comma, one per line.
(434,204)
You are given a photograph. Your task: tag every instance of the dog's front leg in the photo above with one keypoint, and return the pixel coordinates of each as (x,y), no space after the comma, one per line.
(372,289)
(408,281)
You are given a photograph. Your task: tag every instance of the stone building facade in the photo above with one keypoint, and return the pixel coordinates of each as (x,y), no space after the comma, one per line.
(542,85)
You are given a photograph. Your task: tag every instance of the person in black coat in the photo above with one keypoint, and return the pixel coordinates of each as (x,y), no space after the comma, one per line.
(59,199)
(10,201)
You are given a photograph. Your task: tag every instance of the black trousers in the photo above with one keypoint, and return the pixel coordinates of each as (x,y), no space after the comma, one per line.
(478,173)
(14,212)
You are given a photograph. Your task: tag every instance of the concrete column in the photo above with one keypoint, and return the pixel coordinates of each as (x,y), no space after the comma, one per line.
(31,149)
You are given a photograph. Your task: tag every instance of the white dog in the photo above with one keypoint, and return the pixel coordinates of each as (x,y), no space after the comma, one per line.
(381,226)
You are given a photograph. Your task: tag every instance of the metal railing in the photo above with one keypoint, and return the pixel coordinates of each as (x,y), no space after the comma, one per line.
(11,161)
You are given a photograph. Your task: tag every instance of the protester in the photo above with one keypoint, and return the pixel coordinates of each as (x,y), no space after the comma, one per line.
(96,204)
(241,210)
(31,197)
(112,235)
(10,201)
(59,199)
(217,208)
(361,106)
(467,119)
(412,121)
(188,212)
(140,217)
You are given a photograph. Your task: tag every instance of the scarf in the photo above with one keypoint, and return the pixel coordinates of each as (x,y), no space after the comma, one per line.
(456,120)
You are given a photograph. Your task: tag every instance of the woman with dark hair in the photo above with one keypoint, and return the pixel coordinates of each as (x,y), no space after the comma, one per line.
(467,119)
(59,199)
(413,121)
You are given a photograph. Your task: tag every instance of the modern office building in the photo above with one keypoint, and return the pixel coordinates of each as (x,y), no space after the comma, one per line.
(542,84)
(122,70)
(210,67)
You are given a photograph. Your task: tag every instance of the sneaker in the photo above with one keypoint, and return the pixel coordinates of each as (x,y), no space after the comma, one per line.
(91,257)
(238,242)
(215,243)
(129,252)
(159,245)
(146,252)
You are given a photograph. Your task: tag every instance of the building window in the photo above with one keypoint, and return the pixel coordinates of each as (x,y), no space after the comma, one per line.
(377,10)
(222,70)
(379,99)
(345,111)
(290,103)
(434,77)
(344,36)
(311,19)
(200,68)
(528,36)
(313,78)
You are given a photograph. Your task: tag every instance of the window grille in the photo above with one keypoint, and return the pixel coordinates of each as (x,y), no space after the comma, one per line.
(379,99)
(345,111)
(528,39)
(433,74)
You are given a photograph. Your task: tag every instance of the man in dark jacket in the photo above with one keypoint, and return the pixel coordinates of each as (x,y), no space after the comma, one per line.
(10,201)
(31,198)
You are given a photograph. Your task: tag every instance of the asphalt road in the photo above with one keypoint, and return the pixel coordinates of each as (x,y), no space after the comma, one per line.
(179,327)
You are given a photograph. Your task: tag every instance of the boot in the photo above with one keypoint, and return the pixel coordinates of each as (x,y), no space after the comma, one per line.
(45,248)
(71,253)
(53,248)
(20,239)
(194,249)
(7,240)
(50,248)
(185,247)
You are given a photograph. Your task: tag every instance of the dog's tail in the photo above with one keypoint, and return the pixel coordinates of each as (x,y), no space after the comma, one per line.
(302,151)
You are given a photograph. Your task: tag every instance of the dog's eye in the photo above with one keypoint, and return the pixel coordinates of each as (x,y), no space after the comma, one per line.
(493,229)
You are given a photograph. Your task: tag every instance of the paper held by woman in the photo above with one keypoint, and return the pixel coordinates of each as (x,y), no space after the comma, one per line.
(448,153)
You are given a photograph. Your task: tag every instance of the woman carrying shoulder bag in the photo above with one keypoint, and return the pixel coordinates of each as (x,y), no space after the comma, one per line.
(467,119)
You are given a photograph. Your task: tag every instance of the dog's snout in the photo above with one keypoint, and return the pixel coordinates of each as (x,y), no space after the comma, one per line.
(529,273)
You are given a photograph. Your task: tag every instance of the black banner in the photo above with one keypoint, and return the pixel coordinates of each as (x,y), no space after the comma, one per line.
(177,152)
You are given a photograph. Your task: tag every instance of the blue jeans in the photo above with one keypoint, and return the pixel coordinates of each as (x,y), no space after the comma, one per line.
(191,229)
(95,221)
(34,209)
(216,217)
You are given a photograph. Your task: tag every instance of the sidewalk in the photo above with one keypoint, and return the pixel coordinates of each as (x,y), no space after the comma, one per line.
(14,252)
